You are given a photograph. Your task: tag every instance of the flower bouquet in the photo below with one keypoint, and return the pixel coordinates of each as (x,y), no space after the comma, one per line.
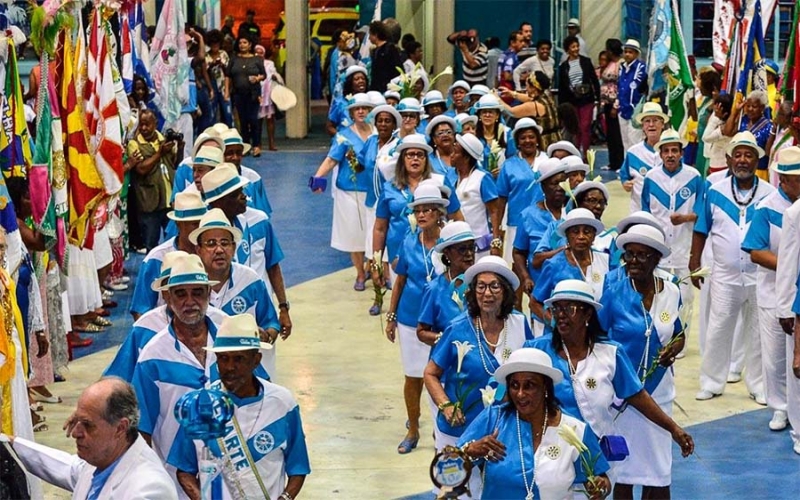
(588,461)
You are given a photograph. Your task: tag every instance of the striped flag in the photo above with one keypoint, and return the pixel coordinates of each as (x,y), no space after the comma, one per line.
(790,85)
(127,51)
(169,63)
(15,146)
(658,46)
(753,74)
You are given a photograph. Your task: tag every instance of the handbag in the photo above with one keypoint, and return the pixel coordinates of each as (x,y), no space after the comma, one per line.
(614,448)
(317,183)
(582,90)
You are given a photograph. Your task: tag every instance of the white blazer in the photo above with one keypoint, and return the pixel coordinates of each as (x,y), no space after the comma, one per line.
(139,474)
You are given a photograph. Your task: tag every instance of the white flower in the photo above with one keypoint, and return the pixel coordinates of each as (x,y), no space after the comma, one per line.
(457,299)
(569,435)
(412,221)
(393,87)
(487,395)
(447,71)
(463,348)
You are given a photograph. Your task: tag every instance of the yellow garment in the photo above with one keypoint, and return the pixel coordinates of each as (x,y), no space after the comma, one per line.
(7,347)
(772,98)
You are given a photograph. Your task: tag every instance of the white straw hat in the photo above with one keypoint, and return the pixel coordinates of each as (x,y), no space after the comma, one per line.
(745,138)
(631,43)
(231,137)
(577,290)
(221,181)
(188,206)
(669,136)
(492,264)
(187,270)
(651,109)
(215,219)
(528,359)
(209,134)
(238,333)
(166,267)
(208,156)
(788,161)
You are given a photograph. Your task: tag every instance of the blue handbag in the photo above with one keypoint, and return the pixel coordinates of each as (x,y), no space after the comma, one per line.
(318,183)
(614,448)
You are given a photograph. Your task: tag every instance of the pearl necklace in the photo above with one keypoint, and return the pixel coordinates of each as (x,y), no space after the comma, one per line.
(648,325)
(426,256)
(530,488)
(479,333)
(578,263)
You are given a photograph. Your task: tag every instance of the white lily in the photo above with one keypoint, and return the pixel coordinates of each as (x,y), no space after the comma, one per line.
(412,221)
(457,299)
(393,87)
(568,434)
(487,395)
(463,348)
(565,185)
(590,156)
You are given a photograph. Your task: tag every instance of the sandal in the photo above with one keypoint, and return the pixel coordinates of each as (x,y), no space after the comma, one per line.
(407,445)
(359,286)
(375,310)
(100,321)
(36,407)
(40,427)
(90,328)
(44,399)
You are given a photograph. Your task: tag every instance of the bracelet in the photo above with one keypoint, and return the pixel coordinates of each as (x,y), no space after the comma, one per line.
(374,266)
(496,243)
(443,405)
(391,316)
(465,446)
(285,496)
(438,338)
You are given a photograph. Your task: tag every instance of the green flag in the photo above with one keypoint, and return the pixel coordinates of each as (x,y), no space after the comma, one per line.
(677,72)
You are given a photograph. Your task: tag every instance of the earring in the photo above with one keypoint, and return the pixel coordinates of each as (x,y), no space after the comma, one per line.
(587,322)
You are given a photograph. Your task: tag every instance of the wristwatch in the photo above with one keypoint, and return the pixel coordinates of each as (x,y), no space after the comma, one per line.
(284,305)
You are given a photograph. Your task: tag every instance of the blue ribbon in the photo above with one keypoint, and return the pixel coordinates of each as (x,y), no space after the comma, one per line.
(190,212)
(223,189)
(457,237)
(792,167)
(573,292)
(188,279)
(223,342)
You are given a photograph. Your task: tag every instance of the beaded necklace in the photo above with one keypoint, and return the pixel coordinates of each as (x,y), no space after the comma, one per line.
(743,204)
(648,325)
(528,488)
(479,333)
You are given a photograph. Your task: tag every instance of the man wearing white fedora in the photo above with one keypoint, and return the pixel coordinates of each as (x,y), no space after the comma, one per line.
(274,461)
(673,193)
(631,84)
(643,156)
(188,209)
(258,249)
(763,242)
(239,289)
(724,220)
(235,150)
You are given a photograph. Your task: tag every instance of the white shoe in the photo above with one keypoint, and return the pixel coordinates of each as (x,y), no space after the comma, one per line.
(734,377)
(705,395)
(759,398)
(779,421)
(796,448)
(125,280)
(117,287)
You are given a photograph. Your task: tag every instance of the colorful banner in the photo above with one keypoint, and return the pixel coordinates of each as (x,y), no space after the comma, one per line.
(15,144)
(659,45)
(677,72)
(169,63)
(790,83)
(753,75)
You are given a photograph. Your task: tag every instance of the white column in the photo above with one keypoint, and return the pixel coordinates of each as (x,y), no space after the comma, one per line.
(296,74)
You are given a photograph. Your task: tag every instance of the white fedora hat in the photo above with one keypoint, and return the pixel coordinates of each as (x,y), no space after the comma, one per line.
(550,167)
(208,156)
(788,161)
(219,127)
(414,141)
(438,120)
(359,100)
(562,146)
(209,134)
(574,164)
(644,235)
(238,333)
(188,206)
(588,186)
(428,194)
(187,270)
(670,136)
(231,137)
(574,22)
(528,359)
(221,181)
(577,290)
(472,145)
(166,267)
(639,217)
(745,138)
(215,219)
(579,217)
(492,264)
(632,43)
(385,108)
(651,109)
(525,124)
(454,232)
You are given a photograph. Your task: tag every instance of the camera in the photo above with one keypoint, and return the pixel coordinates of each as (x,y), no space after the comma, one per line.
(170,135)
(466,39)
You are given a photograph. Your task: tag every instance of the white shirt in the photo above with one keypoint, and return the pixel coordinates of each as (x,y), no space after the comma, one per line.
(531,65)
(765,234)
(639,160)
(788,261)
(473,192)
(664,194)
(725,224)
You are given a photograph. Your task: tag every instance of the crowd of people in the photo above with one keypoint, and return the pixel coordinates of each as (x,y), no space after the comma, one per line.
(469,206)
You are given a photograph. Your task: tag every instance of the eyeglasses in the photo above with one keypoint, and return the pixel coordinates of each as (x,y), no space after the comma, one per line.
(444,133)
(415,155)
(212,243)
(639,257)
(569,310)
(465,249)
(410,116)
(420,211)
(494,287)
(595,202)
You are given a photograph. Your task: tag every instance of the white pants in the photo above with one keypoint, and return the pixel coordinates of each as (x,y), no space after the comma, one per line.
(737,349)
(792,392)
(726,300)
(630,135)
(773,351)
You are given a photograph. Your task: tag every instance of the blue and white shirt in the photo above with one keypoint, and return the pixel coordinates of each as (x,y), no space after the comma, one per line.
(516,182)
(725,224)
(144,298)
(246,293)
(274,439)
(415,264)
(442,301)
(474,192)
(347,179)
(145,328)
(765,234)
(256,193)
(640,159)
(665,193)
(259,249)
(379,162)
(533,223)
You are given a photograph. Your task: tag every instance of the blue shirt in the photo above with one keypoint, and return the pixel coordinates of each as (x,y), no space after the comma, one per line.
(99,479)
(348,179)
(517,183)
(338,114)
(534,222)
(259,248)
(442,301)
(631,77)
(415,264)
(367,157)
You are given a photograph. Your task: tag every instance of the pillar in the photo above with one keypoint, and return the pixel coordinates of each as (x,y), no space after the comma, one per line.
(296,74)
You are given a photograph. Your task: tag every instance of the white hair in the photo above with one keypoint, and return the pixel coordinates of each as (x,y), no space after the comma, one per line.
(760,96)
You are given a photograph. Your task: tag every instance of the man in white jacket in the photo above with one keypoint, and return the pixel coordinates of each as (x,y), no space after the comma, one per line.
(113,460)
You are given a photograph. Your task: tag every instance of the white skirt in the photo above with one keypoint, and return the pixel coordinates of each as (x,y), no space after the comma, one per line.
(650,446)
(349,228)
(82,284)
(103,255)
(413,353)
(508,245)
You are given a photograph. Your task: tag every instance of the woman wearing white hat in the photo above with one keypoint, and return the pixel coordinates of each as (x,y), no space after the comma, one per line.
(495,136)
(521,443)
(441,134)
(434,105)
(477,192)
(457,95)
(443,298)
(467,123)
(414,270)
(355,82)
(642,156)
(578,260)
(392,212)
(348,232)
(476,343)
(597,373)
(642,313)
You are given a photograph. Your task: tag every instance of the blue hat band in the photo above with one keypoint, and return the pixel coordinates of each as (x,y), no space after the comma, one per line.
(205,161)
(214,224)
(234,141)
(222,189)
(189,212)
(222,342)
(792,167)
(192,278)
(456,237)
(573,293)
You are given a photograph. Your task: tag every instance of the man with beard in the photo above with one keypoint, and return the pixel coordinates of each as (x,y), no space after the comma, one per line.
(258,249)
(643,156)
(263,453)
(725,219)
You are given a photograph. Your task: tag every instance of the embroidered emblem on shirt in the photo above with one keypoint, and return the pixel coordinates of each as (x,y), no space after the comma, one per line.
(685,193)
(591,383)
(643,170)
(245,246)
(596,277)
(238,305)
(263,442)
(506,354)
(552,452)
(665,317)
